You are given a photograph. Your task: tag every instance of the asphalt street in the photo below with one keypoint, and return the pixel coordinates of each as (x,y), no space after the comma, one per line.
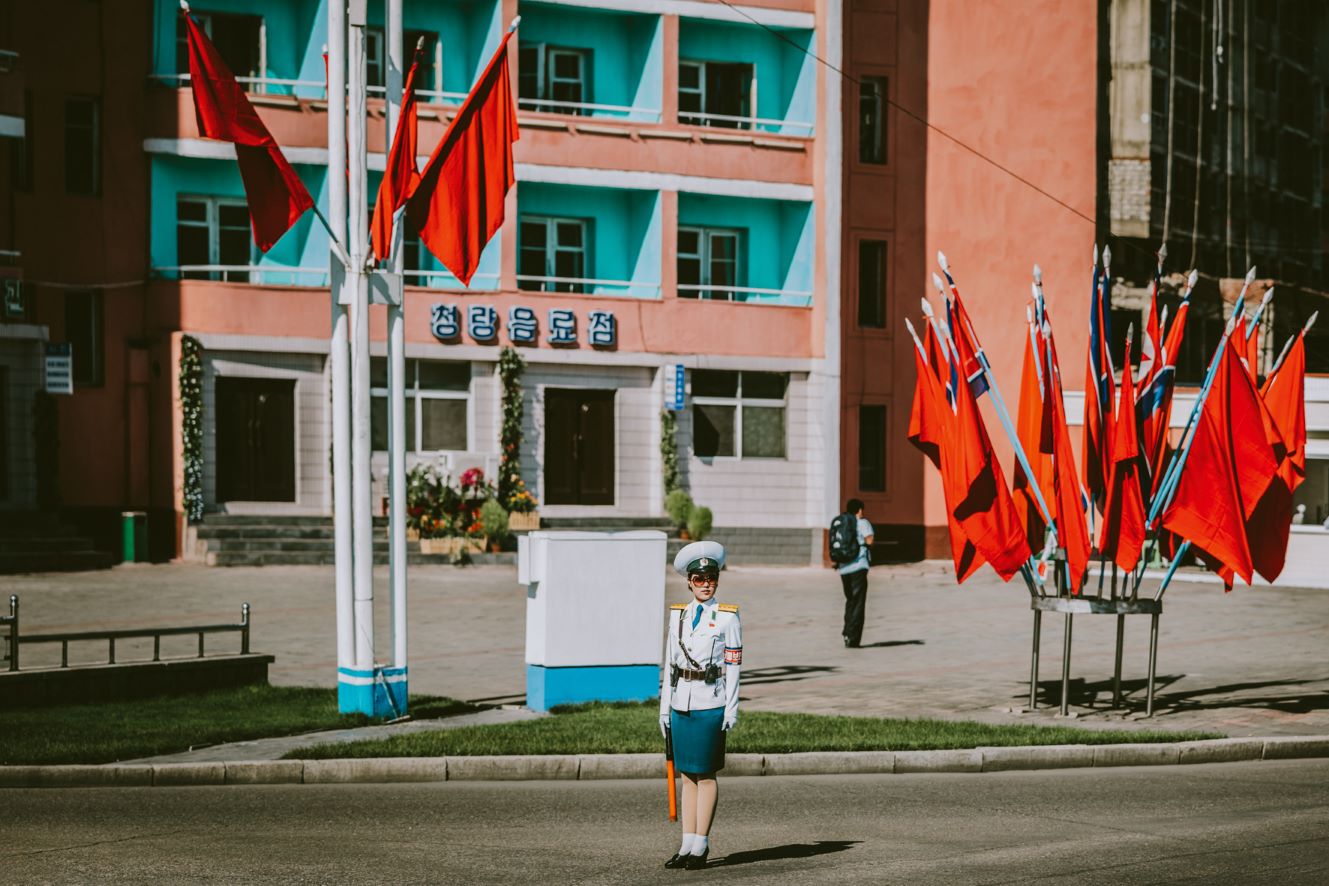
(1237,822)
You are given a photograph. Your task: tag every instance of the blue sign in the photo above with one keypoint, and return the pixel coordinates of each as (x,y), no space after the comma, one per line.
(522,325)
(445,322)
(602,330)
(483,322)
(562,327)
(675,387)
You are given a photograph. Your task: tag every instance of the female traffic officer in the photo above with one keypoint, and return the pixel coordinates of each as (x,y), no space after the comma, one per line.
(699,693)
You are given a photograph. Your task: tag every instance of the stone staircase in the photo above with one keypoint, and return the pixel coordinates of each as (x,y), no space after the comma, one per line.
(744,546)
(264,540)
(37,542)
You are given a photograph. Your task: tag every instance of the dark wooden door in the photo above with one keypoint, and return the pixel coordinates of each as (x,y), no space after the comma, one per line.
(579,447)
(255,439)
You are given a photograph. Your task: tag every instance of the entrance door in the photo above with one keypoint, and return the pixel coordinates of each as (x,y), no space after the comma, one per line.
(255,439)
(579,447)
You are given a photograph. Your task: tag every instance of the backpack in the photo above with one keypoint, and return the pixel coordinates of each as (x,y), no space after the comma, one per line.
(844,539)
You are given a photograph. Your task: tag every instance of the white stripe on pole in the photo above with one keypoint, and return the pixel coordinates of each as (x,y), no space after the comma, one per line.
(396,366)
(339,356)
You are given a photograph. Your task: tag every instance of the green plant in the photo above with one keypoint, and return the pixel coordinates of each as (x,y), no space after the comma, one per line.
(699,522)
(678,504)
(511,366)
(669,450)
(494,520)
(191,419)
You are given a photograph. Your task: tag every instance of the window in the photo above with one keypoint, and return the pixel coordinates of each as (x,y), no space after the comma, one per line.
(872,284)
(716,94)
(554,79)
(84,332)
(437,395)
(709,257)
(872,448)
(376,58)
(21,155)
(872,120)
(83,145)
(238,39)
(212,239)
(737,413)
(552,254)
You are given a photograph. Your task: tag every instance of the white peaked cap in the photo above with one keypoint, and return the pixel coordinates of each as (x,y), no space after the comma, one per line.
(711,550)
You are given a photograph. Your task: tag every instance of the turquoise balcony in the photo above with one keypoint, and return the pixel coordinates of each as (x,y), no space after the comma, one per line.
(749,250)
(591,63)
(599,241)
(738,76)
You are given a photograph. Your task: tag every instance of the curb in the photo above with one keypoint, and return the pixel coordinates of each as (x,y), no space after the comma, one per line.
(586,767)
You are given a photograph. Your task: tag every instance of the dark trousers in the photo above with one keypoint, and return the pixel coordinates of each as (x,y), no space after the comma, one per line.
(855,604)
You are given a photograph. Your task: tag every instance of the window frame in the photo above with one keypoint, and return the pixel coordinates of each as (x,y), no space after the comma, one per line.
(415,395)
(738,402)
(545,80)
(212,223)
(885,437)
(884,243)
(551,251)
(882,83)
(205,22)
(93,130)
(97,335)
(706,236)
(707,117)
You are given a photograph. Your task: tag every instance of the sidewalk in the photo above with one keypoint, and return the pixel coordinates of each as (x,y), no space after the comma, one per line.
(1253,662)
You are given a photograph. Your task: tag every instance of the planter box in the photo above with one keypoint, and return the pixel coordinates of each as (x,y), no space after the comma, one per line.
(451,546)
(524,522)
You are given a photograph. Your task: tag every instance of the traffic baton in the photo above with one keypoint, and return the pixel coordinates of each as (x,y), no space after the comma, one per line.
(669,774)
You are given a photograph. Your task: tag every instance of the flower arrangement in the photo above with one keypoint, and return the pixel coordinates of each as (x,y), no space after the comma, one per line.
(511,488)
(435,508)
(521,501)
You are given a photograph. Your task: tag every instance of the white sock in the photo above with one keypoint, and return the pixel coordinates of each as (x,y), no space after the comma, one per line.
(700,843)
(686,848)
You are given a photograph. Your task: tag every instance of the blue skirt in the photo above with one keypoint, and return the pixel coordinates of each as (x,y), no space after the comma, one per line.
(698,740)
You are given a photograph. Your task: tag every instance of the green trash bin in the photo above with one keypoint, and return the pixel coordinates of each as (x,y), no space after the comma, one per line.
(134,536)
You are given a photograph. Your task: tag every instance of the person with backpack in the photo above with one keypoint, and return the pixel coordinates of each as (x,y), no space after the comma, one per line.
(851,541)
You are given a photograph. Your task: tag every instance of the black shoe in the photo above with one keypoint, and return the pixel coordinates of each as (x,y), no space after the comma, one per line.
(850,644)
(698,862)
(677,861)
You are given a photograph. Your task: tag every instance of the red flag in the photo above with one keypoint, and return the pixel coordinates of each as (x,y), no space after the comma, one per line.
(1029,430)
(928,427)
(1072,528)
(457,205)
(399,175)
(1284,392)
(1122,536)
(1230,475)
(1252,353)
(276,196)
(984,511)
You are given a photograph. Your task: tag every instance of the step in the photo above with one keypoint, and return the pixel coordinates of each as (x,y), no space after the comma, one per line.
(328,558)
(274,520)
(622,523)
(55,561)
(276,545)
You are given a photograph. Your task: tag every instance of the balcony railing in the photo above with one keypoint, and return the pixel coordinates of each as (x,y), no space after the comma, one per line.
(587,109)
(446,280)
(260,85)
(752,124)
(588,286)
(748,294)
(260,275)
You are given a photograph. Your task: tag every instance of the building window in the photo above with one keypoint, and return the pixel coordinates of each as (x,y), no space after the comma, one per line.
(709,257)
(716,94)
(872,284)
(212,239)
(437,396)
(555,79)
(872,448)
(872,120)
(552,254)
(21,155)
(738,413)
(238,39)
(83,145)
(85,334)
(376,58)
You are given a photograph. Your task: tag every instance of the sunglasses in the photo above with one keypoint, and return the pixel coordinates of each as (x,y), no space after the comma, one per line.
(704,579)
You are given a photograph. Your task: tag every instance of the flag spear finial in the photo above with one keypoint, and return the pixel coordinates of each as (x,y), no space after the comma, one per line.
(941,260)
(1162,254)
(1095,255)
(927,309)
(1192,279)
(184,6)
(1038,274)
(1250,276)
(1311,322)
(1232,320)
(420,43)
(1130,331)
(936,281)
(1107,257)
(512,27)
(1268,297)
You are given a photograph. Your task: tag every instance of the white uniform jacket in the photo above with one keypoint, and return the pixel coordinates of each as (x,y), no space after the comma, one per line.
(715,639)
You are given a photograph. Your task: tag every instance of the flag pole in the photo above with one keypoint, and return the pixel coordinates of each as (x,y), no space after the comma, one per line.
(1002,415)
(1278,364)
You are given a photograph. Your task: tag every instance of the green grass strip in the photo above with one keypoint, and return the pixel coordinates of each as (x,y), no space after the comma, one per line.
(111,731)
(633,728)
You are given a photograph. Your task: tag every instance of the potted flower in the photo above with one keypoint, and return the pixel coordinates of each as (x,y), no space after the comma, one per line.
(493,523)
(522,515)
(678,504)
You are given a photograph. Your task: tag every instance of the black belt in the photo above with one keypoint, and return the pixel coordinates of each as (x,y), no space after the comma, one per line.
(709,674)
(690,674)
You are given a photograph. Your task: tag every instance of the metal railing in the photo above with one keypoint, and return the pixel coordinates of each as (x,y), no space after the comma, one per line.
(424,96)
(749,124)
(749,294)
(16,641)
(441,279)
(261,275)
(261,85)
(588,286)
(587,109)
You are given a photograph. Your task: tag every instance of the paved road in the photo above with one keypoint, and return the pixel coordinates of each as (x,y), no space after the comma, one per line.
(1235,823)
(1251,662)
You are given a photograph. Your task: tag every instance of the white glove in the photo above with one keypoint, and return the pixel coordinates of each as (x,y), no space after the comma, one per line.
(729,723)
(664,725)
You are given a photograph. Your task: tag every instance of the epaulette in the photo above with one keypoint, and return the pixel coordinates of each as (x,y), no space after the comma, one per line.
(678,606)
(727,607)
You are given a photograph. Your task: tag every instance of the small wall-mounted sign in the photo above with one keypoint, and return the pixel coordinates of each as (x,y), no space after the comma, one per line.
(59,368)
(676,388)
